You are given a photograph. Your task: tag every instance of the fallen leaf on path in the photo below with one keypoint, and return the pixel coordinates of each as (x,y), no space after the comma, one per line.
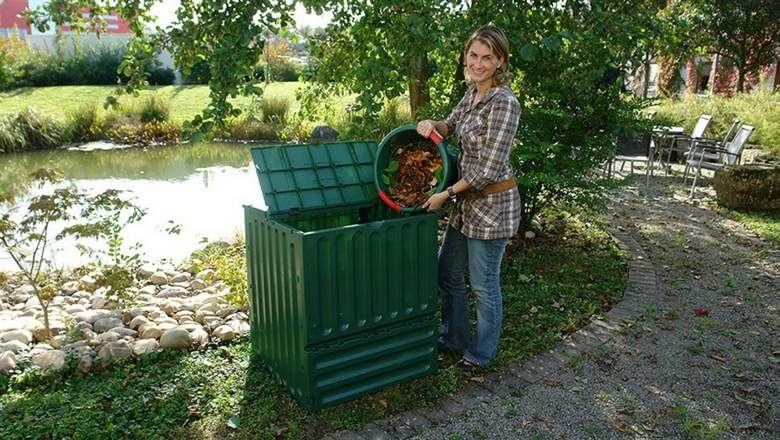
(701,311)
(718,358)
(653,389)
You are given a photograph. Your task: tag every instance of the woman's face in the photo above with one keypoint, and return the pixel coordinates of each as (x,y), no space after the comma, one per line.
(482,62)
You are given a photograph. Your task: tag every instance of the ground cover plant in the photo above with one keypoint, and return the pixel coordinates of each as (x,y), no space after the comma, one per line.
(766,225)
(551,285)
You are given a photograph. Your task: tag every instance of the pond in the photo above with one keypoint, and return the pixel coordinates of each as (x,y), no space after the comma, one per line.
(200,187)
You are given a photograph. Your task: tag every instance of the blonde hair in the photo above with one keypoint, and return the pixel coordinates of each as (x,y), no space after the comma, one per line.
(494,38)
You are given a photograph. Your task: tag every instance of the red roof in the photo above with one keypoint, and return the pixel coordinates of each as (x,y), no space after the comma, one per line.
(9,11)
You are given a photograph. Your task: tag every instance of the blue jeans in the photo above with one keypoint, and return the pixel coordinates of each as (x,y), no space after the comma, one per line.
(484,264)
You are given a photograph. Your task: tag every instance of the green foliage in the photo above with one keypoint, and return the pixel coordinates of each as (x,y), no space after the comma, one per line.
(130,130)
(247,128)
(151,109)
(389,173)
(161,76)
(566,63)
(766,225)
(760,108)
(29,240)
(274,109)
(29,129)
(12,138)
(296,129)
(745,31)
(85,123)
(228,37)
(198,73)
(117,264)
(228,260)
(118,279)
(12,50)
(380,50)
(94,65)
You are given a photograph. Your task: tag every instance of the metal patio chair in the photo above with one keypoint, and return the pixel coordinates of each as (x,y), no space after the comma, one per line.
(714,158)
(632,149)
(709,144)
(677,142)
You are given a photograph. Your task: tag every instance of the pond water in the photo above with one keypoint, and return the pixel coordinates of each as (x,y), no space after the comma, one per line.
(200,187)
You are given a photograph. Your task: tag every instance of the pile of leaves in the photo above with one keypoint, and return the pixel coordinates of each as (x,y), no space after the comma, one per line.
(413,172)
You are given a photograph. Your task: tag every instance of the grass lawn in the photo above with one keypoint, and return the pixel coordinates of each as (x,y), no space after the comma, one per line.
(551,287)
(767,225)
(185,101)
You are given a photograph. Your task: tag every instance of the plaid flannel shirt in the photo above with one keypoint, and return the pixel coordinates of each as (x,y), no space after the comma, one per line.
(486,130)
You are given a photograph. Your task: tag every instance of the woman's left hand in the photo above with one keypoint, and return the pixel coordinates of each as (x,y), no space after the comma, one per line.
(436,201)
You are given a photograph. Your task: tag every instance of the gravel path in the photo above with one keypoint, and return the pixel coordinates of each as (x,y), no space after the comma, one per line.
(691,352)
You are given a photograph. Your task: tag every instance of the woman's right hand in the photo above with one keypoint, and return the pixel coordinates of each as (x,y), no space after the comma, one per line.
(425,128)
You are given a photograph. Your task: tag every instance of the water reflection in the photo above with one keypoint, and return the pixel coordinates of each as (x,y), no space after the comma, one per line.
(201,187)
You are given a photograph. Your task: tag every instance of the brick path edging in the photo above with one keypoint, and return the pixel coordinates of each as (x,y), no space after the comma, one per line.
(640,293)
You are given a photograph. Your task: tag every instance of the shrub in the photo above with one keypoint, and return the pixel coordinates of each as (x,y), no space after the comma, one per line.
(11,137)
(248,128)
(160,132)
(124,129)
(39,131)
(85,123)
(288,72)
(275,110)
(131,130)
(161,76)
(12,50)
(394,114)
(97,66)
(152,109)
(228,260)
(296,129)
(198,74)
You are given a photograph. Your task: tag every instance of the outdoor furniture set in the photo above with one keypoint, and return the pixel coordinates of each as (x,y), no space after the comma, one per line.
(698,151)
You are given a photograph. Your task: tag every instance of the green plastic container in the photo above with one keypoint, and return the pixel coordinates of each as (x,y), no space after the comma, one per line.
(404,135)
(342,289)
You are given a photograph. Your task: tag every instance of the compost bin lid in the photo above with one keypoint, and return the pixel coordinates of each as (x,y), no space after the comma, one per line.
(315,176)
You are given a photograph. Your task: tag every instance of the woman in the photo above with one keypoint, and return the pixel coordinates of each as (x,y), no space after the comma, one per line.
(487,210)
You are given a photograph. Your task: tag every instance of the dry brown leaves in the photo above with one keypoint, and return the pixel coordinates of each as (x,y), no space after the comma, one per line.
(417,164)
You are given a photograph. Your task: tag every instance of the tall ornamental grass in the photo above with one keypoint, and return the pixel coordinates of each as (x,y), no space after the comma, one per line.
(29,129)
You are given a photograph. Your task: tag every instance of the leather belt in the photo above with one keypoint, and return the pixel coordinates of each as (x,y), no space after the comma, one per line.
(494,188)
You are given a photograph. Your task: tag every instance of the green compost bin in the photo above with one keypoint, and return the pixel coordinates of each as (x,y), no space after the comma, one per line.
(342,289)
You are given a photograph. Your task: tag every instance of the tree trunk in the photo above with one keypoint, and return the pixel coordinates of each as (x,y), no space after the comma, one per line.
(692,86)
(714,74)
(646,87)
(740,79)
(460,80)
(776,85)
(45,309)
(418,85)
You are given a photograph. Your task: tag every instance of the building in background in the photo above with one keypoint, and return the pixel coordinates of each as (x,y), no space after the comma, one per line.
(116,33)
(704,74)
